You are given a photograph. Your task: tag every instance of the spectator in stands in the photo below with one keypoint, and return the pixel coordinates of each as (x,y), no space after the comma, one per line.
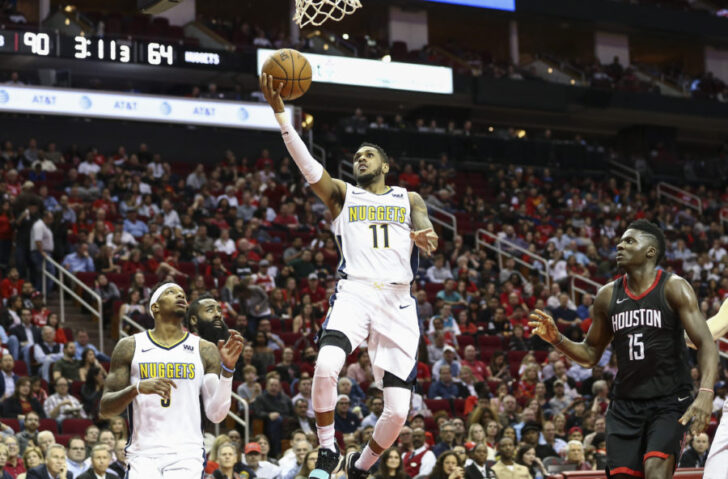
(274,341)
(287,368)
(32,457)
(375,406)
(273,407)
(291,468)
(55,465)
(11,285)
(445,387)
(345,421)
(61,404)
(21,402)
(390,465)
(480,370)
(551,445)
(361,370)
(135,226)
(100,460)
(80,261)
(447,438)
(509,416)
(67,366)
(302,420)
(13,464)
(697,453)
(119,465)
(76,460)
(575,456)
(559,402)
(255,461)
(29,432)
(478,468)
(41,243)
(304,392)
(439,271)
(82,344)
(506,468)
(560,375)
(448,466)
(109,293)
(526,456)
(48,351)
(7,376)
(92,389)
(421,460)
(449,358)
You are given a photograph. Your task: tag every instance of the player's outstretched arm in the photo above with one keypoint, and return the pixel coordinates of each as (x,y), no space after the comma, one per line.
(718,325)
(330,191)
(588,352)
(424,234)
(217,387)
(681,297)
(118,393)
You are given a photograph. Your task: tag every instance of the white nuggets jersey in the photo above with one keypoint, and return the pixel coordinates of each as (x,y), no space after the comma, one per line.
(373,234)
(172,426)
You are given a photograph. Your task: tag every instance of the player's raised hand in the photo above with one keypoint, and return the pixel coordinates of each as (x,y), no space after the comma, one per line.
(699,411)
(161,386)
(543,325)
(425,240)
(230,350)
(271,93)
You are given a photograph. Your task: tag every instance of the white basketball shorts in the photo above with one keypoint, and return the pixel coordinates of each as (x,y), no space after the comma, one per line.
(386,314)
(167,466)
(716,467)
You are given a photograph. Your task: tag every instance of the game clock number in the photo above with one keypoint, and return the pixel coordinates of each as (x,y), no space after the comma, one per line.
(102,49)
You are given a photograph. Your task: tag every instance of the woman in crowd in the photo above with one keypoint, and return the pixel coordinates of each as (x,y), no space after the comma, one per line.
(91,390)
(526,456)
(448,467)
(21,402)
(476,434)
(117,425)
(37,390)
(309,464)
(390,465)
(32,457)
(55,323)
(88,361)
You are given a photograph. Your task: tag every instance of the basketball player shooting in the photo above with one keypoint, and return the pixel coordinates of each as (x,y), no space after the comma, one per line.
(644,313)
(377,228)
(159,375)
(716,466)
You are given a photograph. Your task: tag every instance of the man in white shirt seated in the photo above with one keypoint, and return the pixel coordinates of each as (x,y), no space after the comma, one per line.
(292,468)
(47,351)
(262,469)
(420,461)
(61,405)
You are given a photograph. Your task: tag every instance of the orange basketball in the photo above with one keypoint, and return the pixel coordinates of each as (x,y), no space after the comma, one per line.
(291,68)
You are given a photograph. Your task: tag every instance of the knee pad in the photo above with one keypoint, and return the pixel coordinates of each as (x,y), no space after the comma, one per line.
(394,415)
(329,362)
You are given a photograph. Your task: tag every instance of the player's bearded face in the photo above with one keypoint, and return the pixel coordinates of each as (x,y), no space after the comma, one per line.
(213,330)
(369,175)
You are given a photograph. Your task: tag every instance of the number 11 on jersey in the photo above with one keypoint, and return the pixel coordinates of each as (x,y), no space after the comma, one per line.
(385,232)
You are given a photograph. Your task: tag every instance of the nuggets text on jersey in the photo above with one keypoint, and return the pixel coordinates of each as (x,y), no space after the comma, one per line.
(396,214)
(167,370)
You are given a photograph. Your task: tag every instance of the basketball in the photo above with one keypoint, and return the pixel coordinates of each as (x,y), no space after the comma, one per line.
(291,68)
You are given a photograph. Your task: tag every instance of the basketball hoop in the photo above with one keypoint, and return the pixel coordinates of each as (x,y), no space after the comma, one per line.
(317,12)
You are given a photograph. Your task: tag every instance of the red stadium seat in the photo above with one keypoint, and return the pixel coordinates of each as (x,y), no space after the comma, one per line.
(73,426)
(488,341)
(63,439)
(435,405)
(49,425)
(12,422)
(20,368)
(76,389)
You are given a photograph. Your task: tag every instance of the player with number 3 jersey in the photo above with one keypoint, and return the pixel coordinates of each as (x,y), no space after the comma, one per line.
(645,314)
(379,230)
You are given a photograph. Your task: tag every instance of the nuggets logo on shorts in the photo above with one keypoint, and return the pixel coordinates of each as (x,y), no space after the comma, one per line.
(167,370)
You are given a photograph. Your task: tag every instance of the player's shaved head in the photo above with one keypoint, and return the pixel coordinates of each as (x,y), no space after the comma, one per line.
(654,233)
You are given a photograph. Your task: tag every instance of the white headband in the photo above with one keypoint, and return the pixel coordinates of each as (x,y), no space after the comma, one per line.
(159,292)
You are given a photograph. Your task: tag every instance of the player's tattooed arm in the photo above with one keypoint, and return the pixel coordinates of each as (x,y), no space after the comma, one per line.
(118,393)
(424,234)
(210,357)
(588,352)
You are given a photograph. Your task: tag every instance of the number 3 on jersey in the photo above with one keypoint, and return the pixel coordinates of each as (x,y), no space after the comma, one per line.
(385,233)
(636,347)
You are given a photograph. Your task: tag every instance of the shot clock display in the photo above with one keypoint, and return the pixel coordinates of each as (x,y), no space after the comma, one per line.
(118,50)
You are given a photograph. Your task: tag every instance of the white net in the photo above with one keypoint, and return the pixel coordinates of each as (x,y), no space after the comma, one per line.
(316,12)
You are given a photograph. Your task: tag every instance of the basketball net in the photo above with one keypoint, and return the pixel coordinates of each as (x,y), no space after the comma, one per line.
(316,12)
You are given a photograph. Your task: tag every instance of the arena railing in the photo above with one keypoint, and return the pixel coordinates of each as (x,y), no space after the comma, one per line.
(246,408)
(65,276)
(680,195)
(348,172)
(626,173)
(497,247)
(576,281)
